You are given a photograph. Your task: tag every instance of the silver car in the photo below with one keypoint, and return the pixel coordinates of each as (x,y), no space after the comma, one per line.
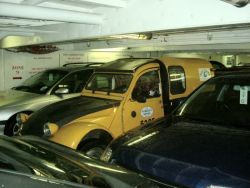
(38,91)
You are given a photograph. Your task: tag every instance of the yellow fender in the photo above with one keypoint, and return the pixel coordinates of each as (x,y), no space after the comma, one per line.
(72,134)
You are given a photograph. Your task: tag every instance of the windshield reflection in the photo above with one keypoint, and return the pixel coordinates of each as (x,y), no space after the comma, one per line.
(223,101)
(41,82)
(115,83)
(37,160)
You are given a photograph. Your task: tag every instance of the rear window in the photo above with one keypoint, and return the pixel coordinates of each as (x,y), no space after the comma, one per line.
(177,79)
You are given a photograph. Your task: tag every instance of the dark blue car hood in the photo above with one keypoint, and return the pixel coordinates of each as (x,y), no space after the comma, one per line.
(188,154)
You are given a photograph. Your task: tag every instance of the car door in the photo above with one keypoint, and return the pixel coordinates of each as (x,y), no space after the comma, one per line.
(145,103)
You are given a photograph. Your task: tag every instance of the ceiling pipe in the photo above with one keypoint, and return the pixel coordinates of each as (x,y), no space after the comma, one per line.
(237,3)
(52,14)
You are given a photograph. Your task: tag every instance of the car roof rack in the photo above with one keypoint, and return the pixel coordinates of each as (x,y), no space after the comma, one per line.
(85,64)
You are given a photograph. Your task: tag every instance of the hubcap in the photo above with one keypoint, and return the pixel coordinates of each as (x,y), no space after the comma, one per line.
(95,152)
(17,129)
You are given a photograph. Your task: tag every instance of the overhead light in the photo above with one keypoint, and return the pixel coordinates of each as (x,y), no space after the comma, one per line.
(144,36)
(109,49)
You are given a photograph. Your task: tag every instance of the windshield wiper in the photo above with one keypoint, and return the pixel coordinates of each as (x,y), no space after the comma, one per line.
(23,87)
(190,118)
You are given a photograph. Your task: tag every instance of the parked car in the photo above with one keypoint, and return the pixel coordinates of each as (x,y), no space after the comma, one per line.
(120,95)
(217,65)
(203,143)
(16,179)
(32,157)
(37,91)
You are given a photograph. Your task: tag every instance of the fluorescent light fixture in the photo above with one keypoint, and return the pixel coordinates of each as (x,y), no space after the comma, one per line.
(109,49)
(146,36)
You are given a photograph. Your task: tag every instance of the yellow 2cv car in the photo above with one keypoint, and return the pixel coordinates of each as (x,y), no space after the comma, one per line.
(120,96)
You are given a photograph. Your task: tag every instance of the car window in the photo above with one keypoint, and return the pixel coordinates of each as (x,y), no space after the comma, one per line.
(41,82)
(116,83)
(147,85)
(177,79)
(75,82)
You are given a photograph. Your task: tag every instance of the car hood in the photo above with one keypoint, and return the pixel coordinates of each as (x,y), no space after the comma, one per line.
(188,154)
(29,154)
(14,97)
(65,111)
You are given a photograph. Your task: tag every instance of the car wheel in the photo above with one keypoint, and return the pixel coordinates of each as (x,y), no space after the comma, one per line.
(93,148)
(17,129)
(15,123)
(10,126)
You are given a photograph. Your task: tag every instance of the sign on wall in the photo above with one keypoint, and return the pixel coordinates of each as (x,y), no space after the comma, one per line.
(19,66)
(72,57)
(105,56)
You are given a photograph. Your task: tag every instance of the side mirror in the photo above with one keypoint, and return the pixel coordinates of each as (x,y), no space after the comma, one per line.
(138,96)
(62,91)
(141,99)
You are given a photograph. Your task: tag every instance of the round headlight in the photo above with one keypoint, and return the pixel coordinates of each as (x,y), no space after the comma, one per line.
(18,119)
(50,129)
(46,130)
(106,154)
(21,118)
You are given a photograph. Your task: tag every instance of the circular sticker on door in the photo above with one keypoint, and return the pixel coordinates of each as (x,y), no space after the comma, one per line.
(147,112)
(204,74)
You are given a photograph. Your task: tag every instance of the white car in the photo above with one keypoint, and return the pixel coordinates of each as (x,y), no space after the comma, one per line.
(40,90)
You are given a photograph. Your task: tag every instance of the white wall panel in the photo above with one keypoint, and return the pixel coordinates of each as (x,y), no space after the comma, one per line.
(16,67)
(1,71)
(20,66)
(243,60)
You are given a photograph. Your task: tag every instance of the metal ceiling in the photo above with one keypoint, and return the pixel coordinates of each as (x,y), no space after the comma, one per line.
(29,22)
(23,17)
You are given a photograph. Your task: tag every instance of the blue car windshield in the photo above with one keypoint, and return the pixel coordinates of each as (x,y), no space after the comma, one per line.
(224,101)
(41,82)
(108,82)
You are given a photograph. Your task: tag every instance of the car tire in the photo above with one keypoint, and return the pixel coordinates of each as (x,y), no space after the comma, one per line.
(9,127)
(92,148)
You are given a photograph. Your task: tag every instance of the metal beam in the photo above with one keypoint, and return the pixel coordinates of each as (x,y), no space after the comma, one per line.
(42,13)
(67,6)
(107,3)
(24,30)
(10,22)
(32,2)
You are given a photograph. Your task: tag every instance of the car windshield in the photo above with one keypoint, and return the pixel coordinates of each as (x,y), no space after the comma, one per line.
(41,82)
(115,83)
(223,101)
